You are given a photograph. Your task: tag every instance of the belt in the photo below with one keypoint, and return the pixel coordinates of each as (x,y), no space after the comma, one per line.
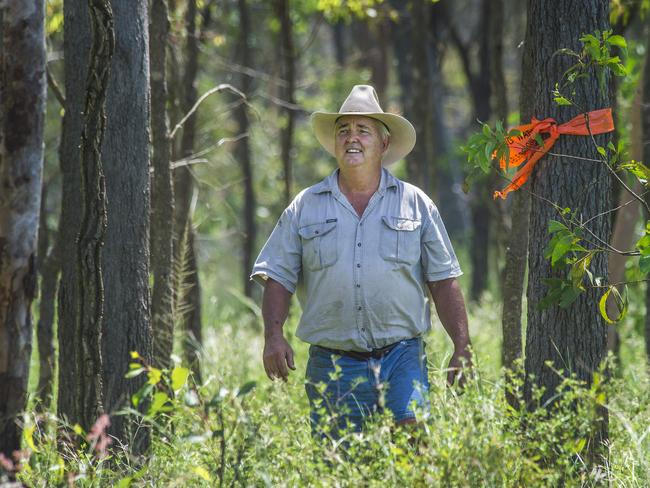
(364,355)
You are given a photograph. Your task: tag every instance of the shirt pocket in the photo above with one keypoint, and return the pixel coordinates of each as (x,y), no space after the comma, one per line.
(399,240)
(319,246)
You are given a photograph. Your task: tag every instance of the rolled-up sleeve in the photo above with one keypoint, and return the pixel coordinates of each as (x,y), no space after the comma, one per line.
(439,261)
(281,257)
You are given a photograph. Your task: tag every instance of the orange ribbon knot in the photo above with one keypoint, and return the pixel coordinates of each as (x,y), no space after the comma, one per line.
(525,147)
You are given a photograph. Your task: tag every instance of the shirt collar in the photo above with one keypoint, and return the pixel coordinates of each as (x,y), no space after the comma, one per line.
(331,184)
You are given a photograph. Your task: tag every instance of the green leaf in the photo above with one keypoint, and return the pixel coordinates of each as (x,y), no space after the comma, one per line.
(569,295)
(555,226)
(618,41)
(562,101)
(159,403)
(644,264)
(132,373)
(638,169)
(179,376)
(601,150)
(621,304)
(562,246)
(154,375)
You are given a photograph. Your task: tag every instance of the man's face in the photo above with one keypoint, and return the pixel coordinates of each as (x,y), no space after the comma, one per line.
(358,141)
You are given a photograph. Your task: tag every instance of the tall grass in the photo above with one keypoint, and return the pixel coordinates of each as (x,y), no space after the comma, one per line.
(239,429)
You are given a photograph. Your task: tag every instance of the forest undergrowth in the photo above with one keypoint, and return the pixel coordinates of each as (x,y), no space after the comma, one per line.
(240,429)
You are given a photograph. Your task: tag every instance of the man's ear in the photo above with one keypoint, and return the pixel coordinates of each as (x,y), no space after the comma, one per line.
(386,143)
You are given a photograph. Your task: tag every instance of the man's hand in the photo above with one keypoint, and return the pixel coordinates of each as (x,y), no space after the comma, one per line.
(459,367)
(277,356)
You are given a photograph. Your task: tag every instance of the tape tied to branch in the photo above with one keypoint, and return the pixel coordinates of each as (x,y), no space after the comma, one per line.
(525,147)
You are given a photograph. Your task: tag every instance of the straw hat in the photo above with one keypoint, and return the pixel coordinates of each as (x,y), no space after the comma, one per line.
(363,100)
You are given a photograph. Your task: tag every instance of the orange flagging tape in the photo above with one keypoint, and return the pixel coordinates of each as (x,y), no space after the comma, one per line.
(524,147)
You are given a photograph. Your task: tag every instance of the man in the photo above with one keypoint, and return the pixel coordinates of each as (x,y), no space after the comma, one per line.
(361,247)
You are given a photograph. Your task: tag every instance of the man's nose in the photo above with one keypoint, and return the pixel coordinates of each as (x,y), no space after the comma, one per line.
(352,137)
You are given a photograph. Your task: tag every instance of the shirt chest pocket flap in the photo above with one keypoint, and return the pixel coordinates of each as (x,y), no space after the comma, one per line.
(399,239)
(319,246)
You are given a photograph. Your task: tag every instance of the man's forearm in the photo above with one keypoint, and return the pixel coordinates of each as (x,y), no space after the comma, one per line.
(450,306)
(275,307)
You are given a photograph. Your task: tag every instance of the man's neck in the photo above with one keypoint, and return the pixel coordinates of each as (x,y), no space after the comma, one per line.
(359,181)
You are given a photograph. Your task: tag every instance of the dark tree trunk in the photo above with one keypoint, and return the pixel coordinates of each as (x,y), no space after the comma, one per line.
(76,43)
(288,92)
(516,249)
(125,256)
(370,35)
(188,288)
(22,116)
(48,268)
(499,110)
(90,241)
(242,149)
(573,339)
(162,191)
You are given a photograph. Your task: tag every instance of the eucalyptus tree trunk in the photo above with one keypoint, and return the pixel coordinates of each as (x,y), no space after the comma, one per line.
(92,230)
(162,191)
(282,8)
(572,339)
(22,114)
(188,287)
(76,44)
(125,255)
(242,150)
(516,246)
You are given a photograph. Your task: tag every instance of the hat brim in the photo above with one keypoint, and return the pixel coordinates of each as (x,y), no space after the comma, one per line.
(402,132)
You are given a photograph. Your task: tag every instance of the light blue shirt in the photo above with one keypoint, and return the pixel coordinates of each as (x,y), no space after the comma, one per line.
(361,281)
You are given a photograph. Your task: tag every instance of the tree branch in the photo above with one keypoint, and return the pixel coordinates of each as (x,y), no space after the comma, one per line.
(54,86)
(211,91)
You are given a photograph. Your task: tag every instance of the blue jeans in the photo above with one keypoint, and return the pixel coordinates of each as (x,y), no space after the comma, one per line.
(350,389)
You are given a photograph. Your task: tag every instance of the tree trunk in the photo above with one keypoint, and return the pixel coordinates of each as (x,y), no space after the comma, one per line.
(22,114)
(125,256)
(187,286)
(626,217)
(92,230)
(162,191)
(288,92)
(242,149)
(499,110)
(573,339)
(48,268)
(76,43)
(516,249)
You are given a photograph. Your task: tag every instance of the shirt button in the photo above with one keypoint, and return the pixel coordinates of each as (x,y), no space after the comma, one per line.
(359,308)
(363,329)
(358,244)
(358,265)
(358,285)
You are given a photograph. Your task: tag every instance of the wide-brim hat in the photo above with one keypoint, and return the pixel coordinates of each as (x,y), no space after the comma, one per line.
(363,100)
